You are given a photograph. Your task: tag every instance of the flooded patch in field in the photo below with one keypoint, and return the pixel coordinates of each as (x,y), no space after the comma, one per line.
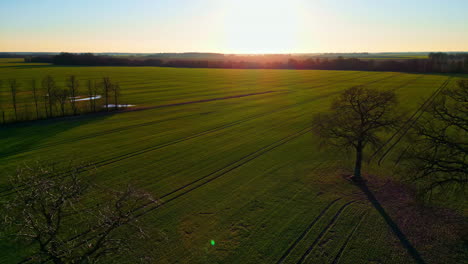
(119,105)
(87,98)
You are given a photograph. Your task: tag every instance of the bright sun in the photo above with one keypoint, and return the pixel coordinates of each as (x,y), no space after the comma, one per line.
(262,26)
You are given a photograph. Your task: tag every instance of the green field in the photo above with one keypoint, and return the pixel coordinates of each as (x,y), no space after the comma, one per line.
(231,156)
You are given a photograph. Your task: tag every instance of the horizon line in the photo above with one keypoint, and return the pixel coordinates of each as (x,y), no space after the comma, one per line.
(208,52)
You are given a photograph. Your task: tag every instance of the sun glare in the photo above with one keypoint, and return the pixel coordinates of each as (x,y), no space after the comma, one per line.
(262,26)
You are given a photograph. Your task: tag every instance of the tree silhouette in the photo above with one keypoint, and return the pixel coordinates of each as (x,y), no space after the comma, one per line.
(437,154)
(14,91)
(1,104)
(35,97)
(356,119)
(107,88)
(48,83)
(116,90)
(62,97)
(73,85)
(55,215)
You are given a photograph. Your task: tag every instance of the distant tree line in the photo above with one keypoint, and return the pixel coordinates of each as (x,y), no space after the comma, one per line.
(10,55)
(435,63)
(89,59)
(49,99)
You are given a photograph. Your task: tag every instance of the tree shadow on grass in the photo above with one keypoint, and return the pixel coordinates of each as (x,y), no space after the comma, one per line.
(393,226)
(19,138)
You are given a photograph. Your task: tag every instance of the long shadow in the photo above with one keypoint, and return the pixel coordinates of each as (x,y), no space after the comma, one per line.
(18,138)
(396,230)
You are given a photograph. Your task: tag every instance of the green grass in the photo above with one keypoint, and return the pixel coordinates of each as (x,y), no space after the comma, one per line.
(263,182)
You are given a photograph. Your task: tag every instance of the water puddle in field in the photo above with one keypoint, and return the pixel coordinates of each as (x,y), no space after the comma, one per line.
(81,98)
(78,98)
(119,105)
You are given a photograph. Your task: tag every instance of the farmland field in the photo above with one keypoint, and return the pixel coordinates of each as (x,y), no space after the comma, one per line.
(229,154)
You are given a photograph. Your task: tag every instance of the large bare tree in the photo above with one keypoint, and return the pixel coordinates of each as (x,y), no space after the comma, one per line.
(437,154)
(61,219)
(356,119)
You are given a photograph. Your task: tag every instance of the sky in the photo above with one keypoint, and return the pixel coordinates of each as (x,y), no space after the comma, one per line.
(233,26)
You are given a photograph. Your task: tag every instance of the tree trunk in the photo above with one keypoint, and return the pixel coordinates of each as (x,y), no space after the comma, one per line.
(106,91)
(358,164)
(50,102)
(45,107)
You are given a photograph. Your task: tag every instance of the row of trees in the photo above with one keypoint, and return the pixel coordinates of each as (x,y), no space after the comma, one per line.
(52,100)
(435,156)
(436,62)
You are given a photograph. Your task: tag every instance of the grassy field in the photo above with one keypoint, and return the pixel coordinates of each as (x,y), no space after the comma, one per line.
(230,155)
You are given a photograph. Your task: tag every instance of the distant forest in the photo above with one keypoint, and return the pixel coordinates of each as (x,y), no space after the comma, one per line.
(435,63)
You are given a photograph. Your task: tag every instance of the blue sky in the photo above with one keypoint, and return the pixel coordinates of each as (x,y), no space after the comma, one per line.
(237,26)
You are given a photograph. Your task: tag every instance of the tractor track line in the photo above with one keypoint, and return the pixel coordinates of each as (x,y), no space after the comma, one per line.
(149,149)
(414,120)
(410,122)
(378,80)
(136,109)
(114,159)
(220,172)
(408,82)
(102,133)
(254,154)
(343,247)
(324,231)
(217,174)
(341,81)
(205,100)
(306,231)
(350,79)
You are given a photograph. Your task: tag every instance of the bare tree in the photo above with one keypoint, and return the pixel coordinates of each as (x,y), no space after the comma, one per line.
(1,105)
(48,83)
(107,88)
(116,90)
(437,154)
(356,119)
(73,84)
(55,214)
(14,91)
(46,108)
(62,97)
(35,96)
(92,94)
